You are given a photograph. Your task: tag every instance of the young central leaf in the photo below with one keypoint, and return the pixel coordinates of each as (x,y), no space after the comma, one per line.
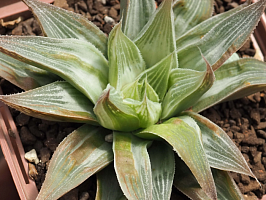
(113,113)
(125,60)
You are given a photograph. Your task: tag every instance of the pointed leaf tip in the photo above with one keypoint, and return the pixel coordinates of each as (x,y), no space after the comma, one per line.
(125,60)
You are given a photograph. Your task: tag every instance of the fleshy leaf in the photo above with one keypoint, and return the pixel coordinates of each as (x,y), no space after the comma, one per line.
(135,15)
(187,86)
(147,111)
(60,23)
(132,166)
(157,38)
(80,155)
(226,186)
(189,13)
(107,185)
(113,113)
(221,152)
(186,141)
(195,34)
(58,101)
(81,64)
(138,89)
(186,183)
(234,80)
(163,168)
(125,60)
(23,75)
(223,39)
(158,75)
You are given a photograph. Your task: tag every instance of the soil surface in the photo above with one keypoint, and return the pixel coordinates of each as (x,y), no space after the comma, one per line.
(242,119)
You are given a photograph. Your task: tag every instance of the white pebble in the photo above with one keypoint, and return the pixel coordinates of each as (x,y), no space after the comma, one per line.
(109,20)
(31,156)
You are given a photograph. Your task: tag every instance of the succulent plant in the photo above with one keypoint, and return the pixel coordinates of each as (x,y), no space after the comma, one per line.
(137,93)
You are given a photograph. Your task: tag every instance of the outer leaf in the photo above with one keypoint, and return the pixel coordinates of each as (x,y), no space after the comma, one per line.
(189,13)
(234,80)
(23,75)
(136,14)
(196,33)
(222,40)
(125,60)
(107,185)
(187,86)
(157,39)
(158,75)
(226,186)
(219,148)
(57,101)
(186,182)
(188,145)
(60,23)
(113,113)
(163,169)
(132,166)
(80,155)
(81,64)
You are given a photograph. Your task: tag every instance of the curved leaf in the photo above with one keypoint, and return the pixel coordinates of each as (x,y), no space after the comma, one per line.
(80,155)
(60,23)
(125,60)
(135,15)
(186,141)
(189,13)
(187,86)
(157,40)
(58,101)
(186,183)
(223,39)
(113,113)
(234,80)
(107,185)
(163,169)
(132,166)
(196,33)
(221,152)
(226,186)
(23,75)
(81,64)
(158,75)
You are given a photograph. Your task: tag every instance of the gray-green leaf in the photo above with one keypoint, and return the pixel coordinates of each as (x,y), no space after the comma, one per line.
(163,168)
(78,62)
(113,113)
(80,155)
(157,40)
(135,15)
(60,23)
(125,60)
(223,39)
(234,80)
(132,166)
(58,101)
(221,152)
(187,86)
(23,75)
(186,141)
(189,13)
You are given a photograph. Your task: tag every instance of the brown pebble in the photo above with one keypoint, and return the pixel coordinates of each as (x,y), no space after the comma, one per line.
(26,137)
(45,154)
(32,171)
